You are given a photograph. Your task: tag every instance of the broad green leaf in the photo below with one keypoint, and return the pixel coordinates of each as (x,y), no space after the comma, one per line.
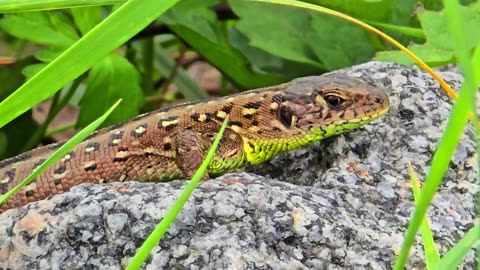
(111,79)
(225,57)
(287,37)
(359,8)
(63,24)
(49,54)
(35,27)
(262,61)
(440,45)
(302,36)
(434,56)
(339,43)
(86,17)
(434,24)
(32,70)
(197,15)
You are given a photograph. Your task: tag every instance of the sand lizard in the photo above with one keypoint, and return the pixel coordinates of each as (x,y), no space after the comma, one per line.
(170,143)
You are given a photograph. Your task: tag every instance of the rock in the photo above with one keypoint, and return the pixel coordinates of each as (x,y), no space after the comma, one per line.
(344,204)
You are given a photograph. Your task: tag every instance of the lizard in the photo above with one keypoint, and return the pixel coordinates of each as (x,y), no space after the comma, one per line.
(171,143)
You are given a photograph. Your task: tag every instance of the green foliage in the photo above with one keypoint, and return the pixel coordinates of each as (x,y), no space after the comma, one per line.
(89,52)
(439,48)
(464,108)
(253,44)
(110,79)
(431,253)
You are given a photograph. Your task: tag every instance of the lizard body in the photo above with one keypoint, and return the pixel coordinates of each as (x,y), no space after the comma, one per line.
(171,143)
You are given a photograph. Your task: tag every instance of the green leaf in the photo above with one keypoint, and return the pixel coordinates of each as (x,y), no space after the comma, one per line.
(286,37)
(262,61)
(195,14)
(339,43)
(360,8)
(432,55)
(62,151)
(312,38)
(108,35)
(440,45)
(111,79)
(32,70)
(434,24)
(86,18)
(35,27)
(49,54)
(225,57)
(63,24)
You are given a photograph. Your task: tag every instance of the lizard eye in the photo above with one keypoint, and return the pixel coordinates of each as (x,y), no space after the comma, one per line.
(334,101)
(286,116)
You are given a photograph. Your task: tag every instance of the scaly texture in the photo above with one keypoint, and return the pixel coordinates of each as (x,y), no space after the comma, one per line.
(171,143)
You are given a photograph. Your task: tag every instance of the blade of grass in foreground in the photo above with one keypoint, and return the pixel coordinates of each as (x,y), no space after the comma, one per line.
(62,151)
(451,136)
(9,6)
(431,252)
(455,255)
(169,218)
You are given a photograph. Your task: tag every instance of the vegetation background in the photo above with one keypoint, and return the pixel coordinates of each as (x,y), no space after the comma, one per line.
(87,54)
(252,45)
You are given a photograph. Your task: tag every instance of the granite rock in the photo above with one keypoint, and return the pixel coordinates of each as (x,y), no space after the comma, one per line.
(343,203)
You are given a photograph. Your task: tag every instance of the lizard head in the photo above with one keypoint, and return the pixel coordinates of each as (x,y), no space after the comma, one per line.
(324,106)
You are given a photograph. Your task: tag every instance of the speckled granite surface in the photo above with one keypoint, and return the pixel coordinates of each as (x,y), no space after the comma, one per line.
(346,207)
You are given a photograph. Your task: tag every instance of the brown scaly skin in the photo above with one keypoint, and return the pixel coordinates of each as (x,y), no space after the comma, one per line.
(171,143)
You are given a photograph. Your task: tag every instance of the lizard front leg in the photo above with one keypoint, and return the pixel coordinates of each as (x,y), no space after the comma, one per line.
(192,148)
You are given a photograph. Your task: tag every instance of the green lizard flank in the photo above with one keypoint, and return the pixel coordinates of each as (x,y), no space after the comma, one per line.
(171,143)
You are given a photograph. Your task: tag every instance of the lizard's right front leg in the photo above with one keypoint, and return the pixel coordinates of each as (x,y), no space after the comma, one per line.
(192,148)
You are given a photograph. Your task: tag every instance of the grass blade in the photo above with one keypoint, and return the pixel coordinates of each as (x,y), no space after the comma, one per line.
(431,253)
(9,6)
(182,80)
(169,218)
(62,151)
(455,255)
(447,146)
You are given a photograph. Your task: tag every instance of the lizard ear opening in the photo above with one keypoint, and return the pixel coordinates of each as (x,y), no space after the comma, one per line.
(287,118)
